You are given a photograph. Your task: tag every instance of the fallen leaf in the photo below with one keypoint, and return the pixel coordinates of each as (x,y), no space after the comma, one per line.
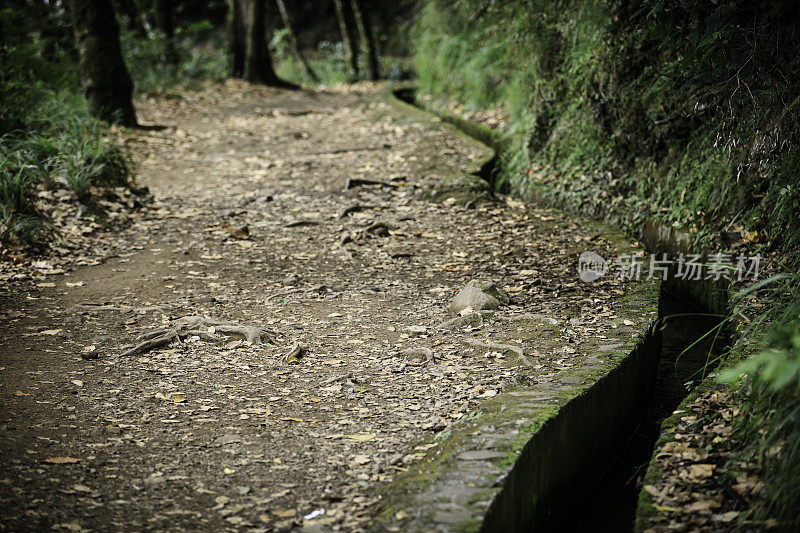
(313,514)
(360,438)
(61,460)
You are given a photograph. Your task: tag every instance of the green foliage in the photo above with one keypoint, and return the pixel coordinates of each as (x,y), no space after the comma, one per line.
(327,62)
(195,53)
(769,381)
(48,138)
(681,110)
(778,367)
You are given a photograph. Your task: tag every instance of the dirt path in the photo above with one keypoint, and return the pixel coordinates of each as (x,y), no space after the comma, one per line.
(250,227)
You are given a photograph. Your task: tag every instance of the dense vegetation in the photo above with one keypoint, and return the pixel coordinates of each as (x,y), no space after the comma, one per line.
(683,111)
(47,137)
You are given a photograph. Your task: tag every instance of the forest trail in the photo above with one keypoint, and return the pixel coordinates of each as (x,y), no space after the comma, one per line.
(253,224)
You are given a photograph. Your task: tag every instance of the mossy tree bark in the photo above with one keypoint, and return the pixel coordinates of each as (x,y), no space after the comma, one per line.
(106,83)
(364,25)
(349,39)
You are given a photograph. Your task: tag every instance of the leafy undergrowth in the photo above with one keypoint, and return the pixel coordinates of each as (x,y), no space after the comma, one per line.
(57,168)
(696,483)
(196,52)
(327,62)
(764,371)
(638,109)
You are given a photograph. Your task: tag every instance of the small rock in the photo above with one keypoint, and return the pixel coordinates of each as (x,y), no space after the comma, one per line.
(154,481)
(479,295)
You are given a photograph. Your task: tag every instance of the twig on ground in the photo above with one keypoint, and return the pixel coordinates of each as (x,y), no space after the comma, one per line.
(358,182)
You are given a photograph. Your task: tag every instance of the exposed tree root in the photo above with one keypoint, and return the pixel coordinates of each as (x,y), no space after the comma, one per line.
(152,344)
(203,327)
(251,334)
(503,347)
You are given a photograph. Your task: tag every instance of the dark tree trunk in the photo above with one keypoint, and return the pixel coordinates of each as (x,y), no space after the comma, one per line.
(287,23)
(238,33)
(133,19)
(166,25)
(349,40)
(367,34)
(164,21)
(257,63)
(105,80)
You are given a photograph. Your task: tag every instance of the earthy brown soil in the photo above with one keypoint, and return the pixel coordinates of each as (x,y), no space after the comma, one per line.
(249,226)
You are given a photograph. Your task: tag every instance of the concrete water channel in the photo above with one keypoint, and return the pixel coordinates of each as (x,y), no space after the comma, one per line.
(570,457)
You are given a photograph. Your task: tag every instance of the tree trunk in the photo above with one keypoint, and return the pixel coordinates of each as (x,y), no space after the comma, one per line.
(237,34)
(166,25)
(367,34)
(134,21)
(105,80)
(348,38)
(256,62)
(287,23)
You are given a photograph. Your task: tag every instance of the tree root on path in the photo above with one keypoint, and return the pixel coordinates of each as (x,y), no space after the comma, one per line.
(152,344)
(497,346)
(189,326)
